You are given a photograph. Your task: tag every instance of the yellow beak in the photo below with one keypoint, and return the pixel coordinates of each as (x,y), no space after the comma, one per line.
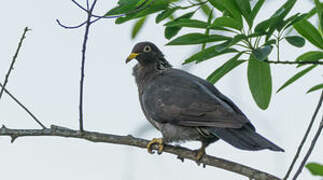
(131,56)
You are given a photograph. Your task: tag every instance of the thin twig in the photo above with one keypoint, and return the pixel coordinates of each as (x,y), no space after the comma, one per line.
(141,143)
(86,33)
(294,62)
(14,60)
(305,137)
(23,107)
(137,9)
(318,133)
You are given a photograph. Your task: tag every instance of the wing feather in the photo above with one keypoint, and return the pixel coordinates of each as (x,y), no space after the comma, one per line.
(180,98)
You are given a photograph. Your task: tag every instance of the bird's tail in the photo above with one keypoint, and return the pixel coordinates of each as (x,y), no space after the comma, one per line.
(244,138)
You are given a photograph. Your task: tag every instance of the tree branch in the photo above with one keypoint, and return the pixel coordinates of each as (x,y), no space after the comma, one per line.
(305,137)
(13,60)
(182,153)
(86,33)
(294,62)
(23,107)
(318,133)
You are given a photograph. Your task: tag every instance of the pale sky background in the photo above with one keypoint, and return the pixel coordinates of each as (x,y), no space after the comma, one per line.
(46,79)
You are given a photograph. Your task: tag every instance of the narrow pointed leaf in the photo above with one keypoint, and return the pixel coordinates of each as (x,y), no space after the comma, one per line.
(307,30)
(277,18)
(260,83)
(319,10)
(229,7)
(217,4)
(296,41)
(137,27)
(206,10)
(226,21)
(315,88)
(310,56)
(152,7)
(172,31)
(224,69)
(263,26)
(315,168)
(208,53)
(245,10)
(256,9)
(123,7)
(164,14)
(197,38)
(188,23)
(296,77)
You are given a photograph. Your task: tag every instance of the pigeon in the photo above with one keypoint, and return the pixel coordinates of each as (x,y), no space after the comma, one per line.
(184,107)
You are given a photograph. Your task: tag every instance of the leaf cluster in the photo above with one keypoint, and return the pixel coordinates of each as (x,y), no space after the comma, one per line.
(233,31)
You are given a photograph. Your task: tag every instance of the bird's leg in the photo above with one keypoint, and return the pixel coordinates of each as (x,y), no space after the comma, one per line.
(201,152)
(158,141)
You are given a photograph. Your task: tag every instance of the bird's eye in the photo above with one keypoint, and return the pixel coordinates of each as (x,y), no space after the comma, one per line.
(147,49)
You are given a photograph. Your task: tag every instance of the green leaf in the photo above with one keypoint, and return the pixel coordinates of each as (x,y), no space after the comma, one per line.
(226,21)
(270,42)
(296,41)
(206,10)
(197,38)
(316,87)
(224,69)
(315,168)
(310,56)
(319,9)
(245,10)
(262,53)
(153,7)
(124,6)
(164,14)
(277,18)
(296,19)
(228,6)
(260,83)
(188,23)
(217,4)
(172,31)
(208,53)
(285,22)
(137,27)
(296,77)
(307,30)
(255,10)
(263,26)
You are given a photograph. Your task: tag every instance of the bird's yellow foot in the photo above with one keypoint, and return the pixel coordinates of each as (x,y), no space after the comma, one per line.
(158,141)
(199,154)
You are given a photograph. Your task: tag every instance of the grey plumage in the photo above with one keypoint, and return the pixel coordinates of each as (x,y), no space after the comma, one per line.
(185,107)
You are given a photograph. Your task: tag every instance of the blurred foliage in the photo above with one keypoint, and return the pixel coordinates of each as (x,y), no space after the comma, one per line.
(315,168)
(235,19)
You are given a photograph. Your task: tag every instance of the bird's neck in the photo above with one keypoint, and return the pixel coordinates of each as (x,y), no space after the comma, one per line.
(146,71)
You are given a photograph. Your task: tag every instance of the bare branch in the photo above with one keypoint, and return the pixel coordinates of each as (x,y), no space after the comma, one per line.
(86,33)
(294,62)
(23,107)
(13,60)
(182,153)
(318,133)
(305,137)
(70,27)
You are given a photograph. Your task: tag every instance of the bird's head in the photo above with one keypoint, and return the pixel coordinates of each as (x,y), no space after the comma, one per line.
(146,53)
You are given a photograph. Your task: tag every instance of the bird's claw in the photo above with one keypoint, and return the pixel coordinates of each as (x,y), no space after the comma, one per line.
(158,141)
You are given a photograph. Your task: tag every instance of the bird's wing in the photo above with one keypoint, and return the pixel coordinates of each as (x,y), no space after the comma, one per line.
(180,98)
